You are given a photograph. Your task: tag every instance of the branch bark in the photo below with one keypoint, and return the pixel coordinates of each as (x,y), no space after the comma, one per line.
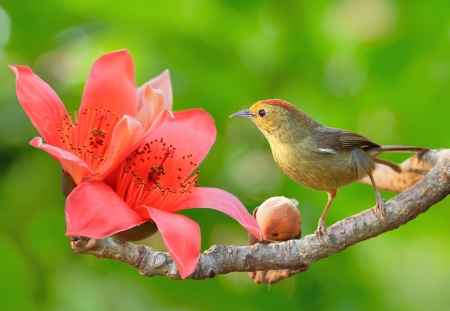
(425,180)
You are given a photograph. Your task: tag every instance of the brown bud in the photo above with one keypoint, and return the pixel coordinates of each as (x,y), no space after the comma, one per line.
(279,219)
(137,233)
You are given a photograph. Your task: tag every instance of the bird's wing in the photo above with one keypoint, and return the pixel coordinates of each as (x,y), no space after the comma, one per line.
(337,139)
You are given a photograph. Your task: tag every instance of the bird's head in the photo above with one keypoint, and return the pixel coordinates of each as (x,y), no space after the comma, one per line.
(276,118)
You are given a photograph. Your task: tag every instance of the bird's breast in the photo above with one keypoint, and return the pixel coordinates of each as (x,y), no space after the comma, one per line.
(315,169)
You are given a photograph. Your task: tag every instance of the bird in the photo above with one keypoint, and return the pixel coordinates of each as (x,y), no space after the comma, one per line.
(316,156)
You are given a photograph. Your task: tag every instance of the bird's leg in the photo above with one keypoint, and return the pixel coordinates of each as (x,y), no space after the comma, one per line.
(322,228)
(380,201)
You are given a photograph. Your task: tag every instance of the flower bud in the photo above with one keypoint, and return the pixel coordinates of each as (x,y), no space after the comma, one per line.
(137,233)
(279,219)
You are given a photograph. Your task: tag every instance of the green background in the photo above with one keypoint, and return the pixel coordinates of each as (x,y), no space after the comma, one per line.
(377,67)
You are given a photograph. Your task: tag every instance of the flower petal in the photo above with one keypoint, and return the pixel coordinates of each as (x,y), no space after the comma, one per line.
(190,132)
(153,105)
(223,201)
(182,238)
(40,102)
(111,85)
(159,120)
(145,110)
(124,138)
(71,164)
(94,210)
(161,82)
(111,177)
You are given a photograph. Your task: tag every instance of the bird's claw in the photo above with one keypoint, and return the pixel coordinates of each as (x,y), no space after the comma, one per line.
(380,208)
(321,230)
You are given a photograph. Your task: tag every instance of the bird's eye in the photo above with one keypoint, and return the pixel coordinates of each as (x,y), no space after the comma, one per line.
(262,113)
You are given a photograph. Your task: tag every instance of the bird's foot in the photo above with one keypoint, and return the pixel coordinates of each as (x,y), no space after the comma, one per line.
(321,230)
(380,208)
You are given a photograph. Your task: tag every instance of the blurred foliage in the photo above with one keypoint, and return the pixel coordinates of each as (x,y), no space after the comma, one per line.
(378,67)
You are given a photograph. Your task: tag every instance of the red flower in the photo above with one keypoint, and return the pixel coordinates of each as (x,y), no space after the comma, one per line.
(108,125)
(153,183)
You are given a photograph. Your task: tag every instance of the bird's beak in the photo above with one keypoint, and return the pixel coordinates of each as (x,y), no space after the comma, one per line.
(243,114)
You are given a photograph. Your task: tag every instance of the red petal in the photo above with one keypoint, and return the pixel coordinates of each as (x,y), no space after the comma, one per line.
(160,119)
(125,136)
(152,106)
(111,177)
(223,201)
(161,82)
(190,132)
(111,84)
(40,102)
(145,109)
(182,238)
(94,210)
(71,164)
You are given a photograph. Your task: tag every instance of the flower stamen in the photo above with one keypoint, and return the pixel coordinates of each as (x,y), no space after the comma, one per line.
(86,138)
(161,188)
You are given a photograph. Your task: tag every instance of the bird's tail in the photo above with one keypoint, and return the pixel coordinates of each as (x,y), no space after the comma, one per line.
(394,166)
(399,149)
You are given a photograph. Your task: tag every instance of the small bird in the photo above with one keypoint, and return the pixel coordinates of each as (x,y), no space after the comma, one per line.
(316,156)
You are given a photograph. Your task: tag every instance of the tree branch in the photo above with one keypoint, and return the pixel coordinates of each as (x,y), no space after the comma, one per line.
(296,255)
(413,170)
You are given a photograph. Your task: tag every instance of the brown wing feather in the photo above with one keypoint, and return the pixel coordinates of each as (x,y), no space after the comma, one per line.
(338,139)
